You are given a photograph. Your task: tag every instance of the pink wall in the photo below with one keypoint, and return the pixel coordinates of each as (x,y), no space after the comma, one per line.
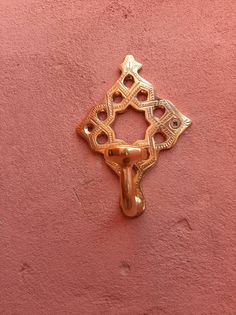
(65,246)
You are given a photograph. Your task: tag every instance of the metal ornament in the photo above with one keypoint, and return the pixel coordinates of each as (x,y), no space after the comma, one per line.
(129,162)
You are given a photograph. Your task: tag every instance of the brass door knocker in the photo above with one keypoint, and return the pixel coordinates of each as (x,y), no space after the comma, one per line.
(130,161)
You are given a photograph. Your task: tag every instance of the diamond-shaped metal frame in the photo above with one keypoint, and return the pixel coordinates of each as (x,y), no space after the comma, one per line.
(170,125)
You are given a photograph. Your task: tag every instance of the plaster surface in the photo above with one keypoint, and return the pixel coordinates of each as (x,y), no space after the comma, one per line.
(65,246)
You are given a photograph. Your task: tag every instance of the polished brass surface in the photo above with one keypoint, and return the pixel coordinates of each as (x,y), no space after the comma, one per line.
(131,161)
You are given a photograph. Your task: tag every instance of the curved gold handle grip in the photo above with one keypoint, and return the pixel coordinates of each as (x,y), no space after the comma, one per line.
(131,200)
(131,197)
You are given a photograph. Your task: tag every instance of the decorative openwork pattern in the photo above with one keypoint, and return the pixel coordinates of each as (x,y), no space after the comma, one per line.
(132,90)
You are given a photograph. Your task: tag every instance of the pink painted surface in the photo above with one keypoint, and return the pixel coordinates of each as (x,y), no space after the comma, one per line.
(65,246)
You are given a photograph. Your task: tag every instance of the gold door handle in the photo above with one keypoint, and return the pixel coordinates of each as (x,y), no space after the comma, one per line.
(130,161)
(131,197)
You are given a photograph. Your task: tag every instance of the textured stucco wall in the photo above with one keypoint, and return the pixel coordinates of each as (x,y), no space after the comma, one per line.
(65,246)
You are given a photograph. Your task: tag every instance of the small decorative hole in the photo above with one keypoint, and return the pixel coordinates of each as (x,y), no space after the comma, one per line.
(159,137)
(117,97)
(128,81)
(175,123)
(159,111)
(102,115)
(142,95)
(102,138)
(88,128)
